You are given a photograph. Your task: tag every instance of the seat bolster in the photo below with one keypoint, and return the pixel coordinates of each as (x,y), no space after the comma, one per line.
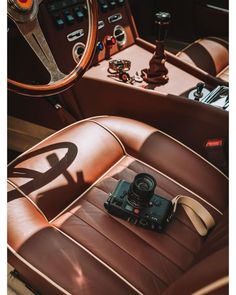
(209,270)
(170,157)
(33,278)
(24,220)
(210,54)
(60,168)
(50,260)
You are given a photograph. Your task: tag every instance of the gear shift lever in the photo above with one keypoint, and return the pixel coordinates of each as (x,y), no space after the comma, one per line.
(157,72)
(162,21)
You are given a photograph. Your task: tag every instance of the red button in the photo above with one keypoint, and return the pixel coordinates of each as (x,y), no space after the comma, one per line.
(110,41)
(23,1)
(136,211)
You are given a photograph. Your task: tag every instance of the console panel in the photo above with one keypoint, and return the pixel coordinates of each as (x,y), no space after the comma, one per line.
(65,25)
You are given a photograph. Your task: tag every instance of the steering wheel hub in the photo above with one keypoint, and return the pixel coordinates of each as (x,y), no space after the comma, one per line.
(22,11)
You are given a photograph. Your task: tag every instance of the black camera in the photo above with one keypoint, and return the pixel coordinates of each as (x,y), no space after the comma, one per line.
(137,203)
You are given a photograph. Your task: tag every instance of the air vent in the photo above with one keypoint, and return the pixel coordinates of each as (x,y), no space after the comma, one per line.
(120,35)
(78,51)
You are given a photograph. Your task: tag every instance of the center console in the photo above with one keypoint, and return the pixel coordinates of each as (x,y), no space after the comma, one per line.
(65,25)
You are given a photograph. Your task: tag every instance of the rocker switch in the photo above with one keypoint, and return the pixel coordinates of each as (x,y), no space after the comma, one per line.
(110,41)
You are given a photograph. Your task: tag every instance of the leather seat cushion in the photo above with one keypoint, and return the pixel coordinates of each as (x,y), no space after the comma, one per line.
(158,259)
(210,54)
(79,246)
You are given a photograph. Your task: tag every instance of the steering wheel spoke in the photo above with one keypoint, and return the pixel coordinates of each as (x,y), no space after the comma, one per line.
(24,14)
(34,36)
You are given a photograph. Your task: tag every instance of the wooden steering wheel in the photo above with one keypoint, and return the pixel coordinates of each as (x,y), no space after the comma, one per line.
(24,14)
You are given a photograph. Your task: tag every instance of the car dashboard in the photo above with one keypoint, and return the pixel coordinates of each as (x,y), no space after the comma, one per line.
(66,29)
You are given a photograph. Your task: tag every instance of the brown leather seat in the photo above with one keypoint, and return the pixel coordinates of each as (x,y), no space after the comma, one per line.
(210,54)
(62,240)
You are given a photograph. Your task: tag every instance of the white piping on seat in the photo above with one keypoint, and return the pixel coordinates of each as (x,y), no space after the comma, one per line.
(169,136)
(37,270)
(93,119)
(87,190)
(205,160)
(27,197)
(112,133)
(151,167)
(82,247)
(76,242)
(56,133)
(99,260)
(179,184)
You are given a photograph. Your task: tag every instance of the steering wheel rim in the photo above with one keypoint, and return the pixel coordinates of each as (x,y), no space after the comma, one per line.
(64,81)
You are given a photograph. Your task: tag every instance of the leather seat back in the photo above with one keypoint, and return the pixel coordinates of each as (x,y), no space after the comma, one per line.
(209,54)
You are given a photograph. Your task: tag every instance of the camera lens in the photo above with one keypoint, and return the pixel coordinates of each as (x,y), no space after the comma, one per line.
(141,189)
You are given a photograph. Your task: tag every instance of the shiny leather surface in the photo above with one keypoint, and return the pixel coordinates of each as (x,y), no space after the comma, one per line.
(179,80)
(224,74)
(65,165)
(210,54)
(84,248)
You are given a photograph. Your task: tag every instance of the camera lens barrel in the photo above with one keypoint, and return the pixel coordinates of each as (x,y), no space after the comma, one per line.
(141,190)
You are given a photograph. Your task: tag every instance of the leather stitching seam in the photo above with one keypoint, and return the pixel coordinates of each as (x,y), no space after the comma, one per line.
(113,242)
(155,169)
(134,233)
(27,197)
(97,258)
(169,193)
(36,270)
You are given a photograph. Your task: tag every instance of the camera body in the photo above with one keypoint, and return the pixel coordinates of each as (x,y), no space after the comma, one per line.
(148,210)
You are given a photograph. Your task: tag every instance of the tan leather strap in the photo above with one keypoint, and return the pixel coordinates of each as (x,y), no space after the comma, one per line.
(199,216)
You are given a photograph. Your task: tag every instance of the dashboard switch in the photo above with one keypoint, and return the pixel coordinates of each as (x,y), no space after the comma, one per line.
(79,14)
(115,18)
(120,2)
(85,9)
(59,22)
(69,17)
(75,35)
(103,5)
(100,46)
(112,3)
(110,41)
(101,24)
